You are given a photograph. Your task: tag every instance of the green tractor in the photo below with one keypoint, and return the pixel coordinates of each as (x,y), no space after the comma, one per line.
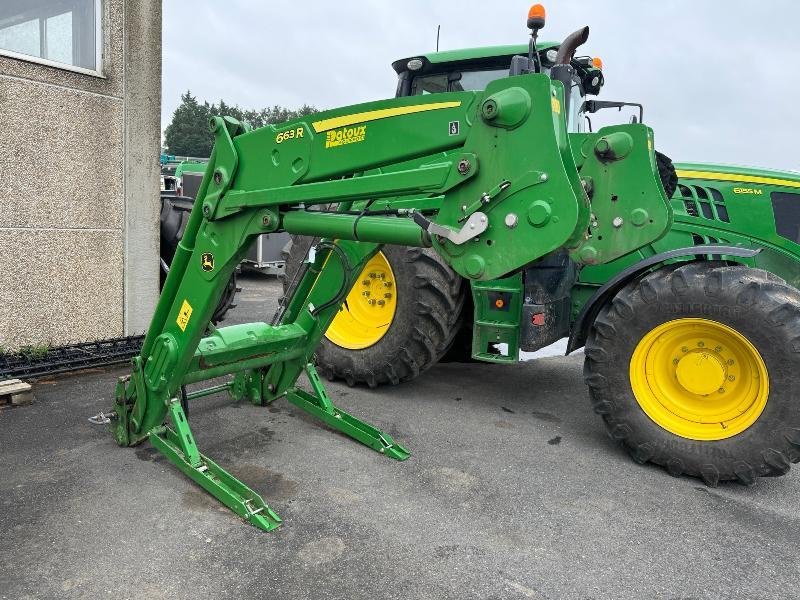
(679,361)
(683,287)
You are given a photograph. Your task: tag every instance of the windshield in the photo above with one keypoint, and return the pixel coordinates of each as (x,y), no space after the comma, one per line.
(478,79)
(455,81)
(575,120)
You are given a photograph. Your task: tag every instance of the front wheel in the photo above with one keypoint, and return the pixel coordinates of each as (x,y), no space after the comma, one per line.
(696,368)
(399,319)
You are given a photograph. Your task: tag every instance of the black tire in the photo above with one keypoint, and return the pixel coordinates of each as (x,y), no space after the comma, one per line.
(667,174)
(429,312)
(755,303)
(174,216)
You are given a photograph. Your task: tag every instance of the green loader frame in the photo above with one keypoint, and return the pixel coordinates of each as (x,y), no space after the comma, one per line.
(488,179)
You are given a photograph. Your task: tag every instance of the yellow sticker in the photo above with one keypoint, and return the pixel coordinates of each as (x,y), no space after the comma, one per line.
(345,135)
(555,104)
(184,315)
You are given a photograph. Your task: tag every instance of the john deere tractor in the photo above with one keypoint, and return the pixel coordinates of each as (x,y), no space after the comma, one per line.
(696,377)
(686,300)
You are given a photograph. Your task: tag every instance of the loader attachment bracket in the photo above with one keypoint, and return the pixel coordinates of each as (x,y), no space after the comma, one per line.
(476,224)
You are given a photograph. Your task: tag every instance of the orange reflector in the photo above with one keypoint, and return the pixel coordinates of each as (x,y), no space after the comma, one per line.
(536,12)
(597,63)
(499,303)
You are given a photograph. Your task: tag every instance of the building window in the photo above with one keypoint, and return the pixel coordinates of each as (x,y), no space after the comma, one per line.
(59,32)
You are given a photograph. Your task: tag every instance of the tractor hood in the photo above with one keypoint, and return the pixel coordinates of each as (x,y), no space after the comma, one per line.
(741,174)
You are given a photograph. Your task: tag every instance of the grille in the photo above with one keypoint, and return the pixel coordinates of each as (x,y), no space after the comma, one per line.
(705,202)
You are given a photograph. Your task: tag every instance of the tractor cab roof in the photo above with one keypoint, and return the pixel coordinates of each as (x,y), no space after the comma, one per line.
(487,54)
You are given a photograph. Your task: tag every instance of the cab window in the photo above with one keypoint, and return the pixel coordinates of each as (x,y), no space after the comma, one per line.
(786,208)
(429,84)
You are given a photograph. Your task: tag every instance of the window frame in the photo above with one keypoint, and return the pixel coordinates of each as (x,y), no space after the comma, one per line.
(99,41)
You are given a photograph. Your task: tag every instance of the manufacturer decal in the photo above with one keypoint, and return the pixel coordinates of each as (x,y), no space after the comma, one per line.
(345,135)
(184,314)
(555,104)
(454,127)
(754,191)
(207,261)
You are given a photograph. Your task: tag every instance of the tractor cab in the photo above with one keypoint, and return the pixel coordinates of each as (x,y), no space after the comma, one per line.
(472,69)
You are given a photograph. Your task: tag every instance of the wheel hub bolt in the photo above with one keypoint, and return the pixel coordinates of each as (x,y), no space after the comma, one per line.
(387,295)
(684,349)
(381,302)
(366,294)
(387,284)
(372,275)
(365,282)
(371,301)
(701,344)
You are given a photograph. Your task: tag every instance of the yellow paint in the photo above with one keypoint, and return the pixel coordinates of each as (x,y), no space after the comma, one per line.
(734,177)
(754,191)
(292,134)
(382,113)
(369,310)
(555,104)
(184,314)
(345,135)
(699,379)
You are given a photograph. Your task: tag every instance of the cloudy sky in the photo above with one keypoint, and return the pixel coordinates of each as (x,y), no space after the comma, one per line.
(717,78)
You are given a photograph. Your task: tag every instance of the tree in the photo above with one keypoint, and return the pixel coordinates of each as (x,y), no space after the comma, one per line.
(188,133)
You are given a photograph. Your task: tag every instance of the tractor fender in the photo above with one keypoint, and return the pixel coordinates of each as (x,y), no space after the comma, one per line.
(590,310)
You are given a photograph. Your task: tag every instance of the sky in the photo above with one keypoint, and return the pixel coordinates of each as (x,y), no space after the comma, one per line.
(717,78)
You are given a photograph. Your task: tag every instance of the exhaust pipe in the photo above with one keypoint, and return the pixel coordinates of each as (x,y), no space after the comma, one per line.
(562,70)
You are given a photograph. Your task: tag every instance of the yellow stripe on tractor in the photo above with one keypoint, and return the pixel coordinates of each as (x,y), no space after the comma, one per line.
(374,115)
(735,177)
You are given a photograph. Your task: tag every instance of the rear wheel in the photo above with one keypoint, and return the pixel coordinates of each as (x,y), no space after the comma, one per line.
(399,319)
(711,357)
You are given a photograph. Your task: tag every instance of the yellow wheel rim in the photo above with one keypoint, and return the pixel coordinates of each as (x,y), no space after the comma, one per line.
(366,314)
(699,379)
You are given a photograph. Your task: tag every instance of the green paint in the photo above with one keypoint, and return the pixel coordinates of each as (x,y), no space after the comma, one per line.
(494,177)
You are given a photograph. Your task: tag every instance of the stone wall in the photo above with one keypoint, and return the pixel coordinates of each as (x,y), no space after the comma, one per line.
(79,181)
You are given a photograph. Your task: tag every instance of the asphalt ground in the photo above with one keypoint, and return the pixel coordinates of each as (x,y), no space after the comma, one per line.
(513,490)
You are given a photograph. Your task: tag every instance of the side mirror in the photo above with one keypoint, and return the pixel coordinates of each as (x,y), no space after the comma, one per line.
(592,106)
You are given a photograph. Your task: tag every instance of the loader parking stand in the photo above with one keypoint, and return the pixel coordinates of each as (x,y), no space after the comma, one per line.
(426,244)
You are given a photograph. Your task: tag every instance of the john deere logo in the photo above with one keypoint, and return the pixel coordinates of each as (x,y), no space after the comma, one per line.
(207,261)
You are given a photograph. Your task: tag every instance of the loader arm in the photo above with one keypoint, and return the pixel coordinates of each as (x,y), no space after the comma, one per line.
(488,179)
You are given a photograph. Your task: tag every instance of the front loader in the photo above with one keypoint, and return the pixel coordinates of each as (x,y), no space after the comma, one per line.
(486,179)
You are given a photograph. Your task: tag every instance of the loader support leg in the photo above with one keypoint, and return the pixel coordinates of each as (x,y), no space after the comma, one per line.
(179,447)
(320,405)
